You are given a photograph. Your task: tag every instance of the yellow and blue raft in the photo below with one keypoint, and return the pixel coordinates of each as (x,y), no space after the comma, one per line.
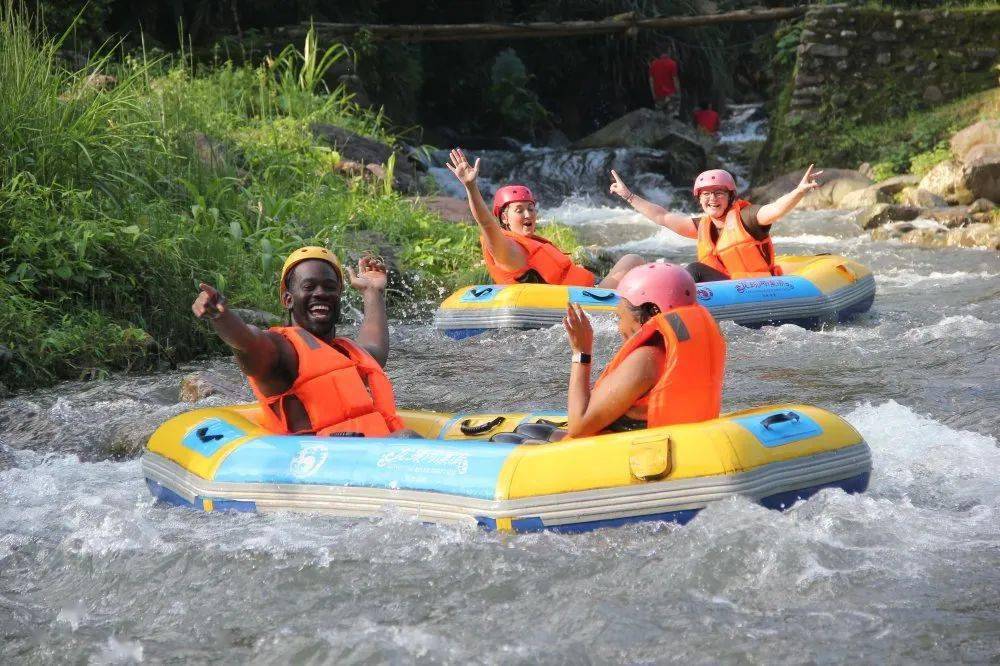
(501,471)
(811,291)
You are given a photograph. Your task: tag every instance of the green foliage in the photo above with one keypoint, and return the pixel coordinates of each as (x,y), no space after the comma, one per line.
(910,144)
(921,163)
(519,108)
(115,203)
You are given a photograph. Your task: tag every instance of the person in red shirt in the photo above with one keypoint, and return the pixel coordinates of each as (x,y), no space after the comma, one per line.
(707,119)
(664,84)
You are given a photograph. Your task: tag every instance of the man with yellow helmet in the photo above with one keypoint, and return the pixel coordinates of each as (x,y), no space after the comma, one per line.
(307,380)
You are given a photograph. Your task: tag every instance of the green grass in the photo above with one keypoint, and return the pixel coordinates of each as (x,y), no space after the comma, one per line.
(912,144)
(108,218)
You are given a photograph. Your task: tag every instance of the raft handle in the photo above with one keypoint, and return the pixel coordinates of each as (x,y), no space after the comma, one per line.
(556,424)
(471,430)
(779,418)
(477,294)
(204,437)
(598,297)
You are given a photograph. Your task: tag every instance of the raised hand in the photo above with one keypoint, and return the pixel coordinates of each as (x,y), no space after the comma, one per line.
(809,181)
(209,304)
(459,165)
(371,275)
(579,330)
(619,187)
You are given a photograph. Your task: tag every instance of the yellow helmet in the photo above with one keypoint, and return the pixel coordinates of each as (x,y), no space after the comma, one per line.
(310,252)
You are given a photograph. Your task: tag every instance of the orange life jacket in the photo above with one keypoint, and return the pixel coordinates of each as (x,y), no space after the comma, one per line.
(689,389)
(341,392)
(735,253)
(546,259)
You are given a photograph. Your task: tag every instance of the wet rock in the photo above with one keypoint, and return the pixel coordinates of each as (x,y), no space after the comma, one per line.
(980,174)
(865,169)
(897,184)
(257,318)
(915,196)
(884,213)
(983,132)
(648,128)
(128,440)
(825,50)
(977,206)
(979,235)
(450,208)
(933,95)
(945,180)
(865,197)
(199,385)
(357,149)
(948,216)
(835,185)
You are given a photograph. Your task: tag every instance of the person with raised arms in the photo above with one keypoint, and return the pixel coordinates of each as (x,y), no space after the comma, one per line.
(734,236)
(512,250)
(670,366)
(306,379)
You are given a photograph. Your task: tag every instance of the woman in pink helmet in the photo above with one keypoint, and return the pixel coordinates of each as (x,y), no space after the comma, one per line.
(734,236)
(512,250)
(669,369)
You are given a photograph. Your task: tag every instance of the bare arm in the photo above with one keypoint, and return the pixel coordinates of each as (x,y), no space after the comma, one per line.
(590,412)
(770,213)
(508,254)
(679,223)
(373,335)
(256,350)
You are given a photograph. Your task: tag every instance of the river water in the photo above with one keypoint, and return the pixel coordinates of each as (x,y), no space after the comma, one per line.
(91,571)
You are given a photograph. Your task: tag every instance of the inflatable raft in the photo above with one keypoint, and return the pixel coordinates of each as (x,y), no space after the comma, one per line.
(501,471)
(812,291)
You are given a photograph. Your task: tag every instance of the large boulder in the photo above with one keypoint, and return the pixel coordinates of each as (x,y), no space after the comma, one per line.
(365,152)
(883,213)
(914,196)
(983,132)
(835,184)
(450,208)
(865,197)
(981,173)
(201,384)
(946,181)
(648,128)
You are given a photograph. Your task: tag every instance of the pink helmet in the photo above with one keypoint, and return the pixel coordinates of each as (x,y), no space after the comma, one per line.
(713,177)
(508,194)
(665,285)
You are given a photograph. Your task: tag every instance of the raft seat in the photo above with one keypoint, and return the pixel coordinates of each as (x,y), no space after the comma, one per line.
(530,433)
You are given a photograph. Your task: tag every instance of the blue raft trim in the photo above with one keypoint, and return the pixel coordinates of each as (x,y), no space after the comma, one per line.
(463,333)
(777,502)
(592,296)
(168,496)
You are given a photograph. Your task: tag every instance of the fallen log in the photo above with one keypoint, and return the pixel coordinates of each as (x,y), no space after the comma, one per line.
(623,23)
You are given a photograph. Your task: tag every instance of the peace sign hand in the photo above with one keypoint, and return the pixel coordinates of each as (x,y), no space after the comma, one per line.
(460,166)
(809,181)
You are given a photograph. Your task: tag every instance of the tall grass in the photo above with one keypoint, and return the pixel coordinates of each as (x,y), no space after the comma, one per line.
(110,211)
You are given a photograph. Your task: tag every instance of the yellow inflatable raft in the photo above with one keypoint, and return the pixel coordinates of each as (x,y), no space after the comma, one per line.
(813,290)
(501,471)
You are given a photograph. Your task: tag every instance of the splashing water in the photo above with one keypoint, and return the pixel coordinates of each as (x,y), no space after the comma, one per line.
(92,571)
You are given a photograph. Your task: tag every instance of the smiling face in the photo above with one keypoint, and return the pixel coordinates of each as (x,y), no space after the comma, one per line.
(312,296)
(715,201)
(521,217)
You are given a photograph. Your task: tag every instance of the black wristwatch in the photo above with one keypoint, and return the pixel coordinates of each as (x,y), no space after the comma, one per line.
(580,357)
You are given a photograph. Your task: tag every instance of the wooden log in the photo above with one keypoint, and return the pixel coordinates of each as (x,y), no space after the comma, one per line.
(471,31)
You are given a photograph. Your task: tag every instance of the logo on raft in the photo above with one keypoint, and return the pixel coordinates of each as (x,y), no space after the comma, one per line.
(457,463)
(308,461)
(765,283)
(704,293)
